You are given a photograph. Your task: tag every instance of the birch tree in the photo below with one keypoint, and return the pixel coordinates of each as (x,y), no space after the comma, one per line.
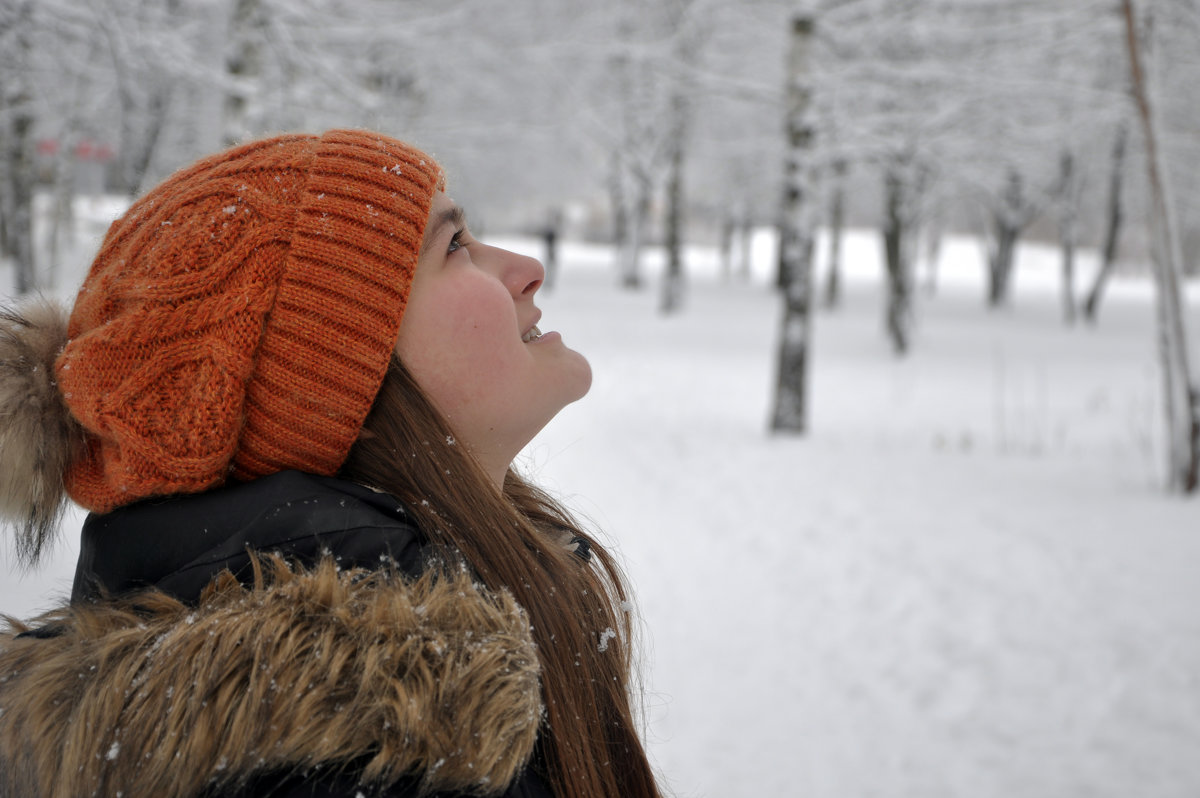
(832,293)
(797,232)
(1180,393)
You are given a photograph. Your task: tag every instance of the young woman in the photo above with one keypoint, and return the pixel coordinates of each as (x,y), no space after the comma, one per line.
(289,392)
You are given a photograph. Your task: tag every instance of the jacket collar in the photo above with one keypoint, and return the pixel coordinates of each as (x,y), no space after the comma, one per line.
(179,543)
(434,679)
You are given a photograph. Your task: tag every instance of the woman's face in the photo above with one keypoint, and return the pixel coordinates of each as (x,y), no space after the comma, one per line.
(470,340)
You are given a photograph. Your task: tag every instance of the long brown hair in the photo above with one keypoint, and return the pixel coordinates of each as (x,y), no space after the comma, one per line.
(519,540)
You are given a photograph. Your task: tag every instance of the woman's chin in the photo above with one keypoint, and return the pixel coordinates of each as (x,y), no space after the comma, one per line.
(581,376)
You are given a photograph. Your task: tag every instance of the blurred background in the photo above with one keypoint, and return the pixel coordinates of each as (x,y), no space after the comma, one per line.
(892,309)
(581,114)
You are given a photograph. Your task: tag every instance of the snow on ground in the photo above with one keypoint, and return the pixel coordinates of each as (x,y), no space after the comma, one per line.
(966,581)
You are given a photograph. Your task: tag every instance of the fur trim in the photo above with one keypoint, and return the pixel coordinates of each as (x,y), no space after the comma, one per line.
(38,436)
(436,679)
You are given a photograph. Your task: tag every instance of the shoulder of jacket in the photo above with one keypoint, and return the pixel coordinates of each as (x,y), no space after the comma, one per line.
(302,515)
(435,676)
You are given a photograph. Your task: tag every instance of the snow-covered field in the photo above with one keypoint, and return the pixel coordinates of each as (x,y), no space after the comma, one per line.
(966,582)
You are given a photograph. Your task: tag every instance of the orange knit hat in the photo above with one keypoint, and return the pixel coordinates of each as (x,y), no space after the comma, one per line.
(239,318)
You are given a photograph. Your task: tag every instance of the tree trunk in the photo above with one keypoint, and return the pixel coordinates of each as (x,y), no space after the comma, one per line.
(728,226)
(60,224)
(139,128)
(1006,226)
(243,65)
(135,163)
(17,177)
(833,277)
(18,200)
(60,221)
(1112,231)
(745,243)
(672,285)
(637,214)
(897,248)
(783,265)
(797,226)
(618,199)
(630,198)
(1068,271)
(1001,262)
(550,235)
(933,252)
(1068,230)
(1181,395)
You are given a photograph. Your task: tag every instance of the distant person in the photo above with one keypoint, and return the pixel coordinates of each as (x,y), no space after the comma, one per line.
(289,392)
(550,246)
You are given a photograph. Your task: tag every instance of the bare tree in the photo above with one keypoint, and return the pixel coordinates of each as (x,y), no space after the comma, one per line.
(1011,212)
(642,141)
(687,19)
(141,43)
(673,278)
(901,181)
(978,99)
(1180,392)
(837,220)
(1112,227)
(1070,186)
(797,230)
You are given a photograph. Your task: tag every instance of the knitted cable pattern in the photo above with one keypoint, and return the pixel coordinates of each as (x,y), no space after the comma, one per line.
(239,318)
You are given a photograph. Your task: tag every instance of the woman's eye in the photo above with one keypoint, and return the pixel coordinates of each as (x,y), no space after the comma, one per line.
(456,242)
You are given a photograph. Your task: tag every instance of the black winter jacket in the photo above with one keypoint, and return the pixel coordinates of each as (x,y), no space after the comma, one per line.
(347,666)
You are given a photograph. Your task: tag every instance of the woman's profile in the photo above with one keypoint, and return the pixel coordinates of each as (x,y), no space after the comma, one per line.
(289,393)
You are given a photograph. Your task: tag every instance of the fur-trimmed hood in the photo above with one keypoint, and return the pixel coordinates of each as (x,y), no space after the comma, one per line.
(434,678)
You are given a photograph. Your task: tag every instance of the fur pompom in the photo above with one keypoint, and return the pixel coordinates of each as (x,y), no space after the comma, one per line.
(38,436)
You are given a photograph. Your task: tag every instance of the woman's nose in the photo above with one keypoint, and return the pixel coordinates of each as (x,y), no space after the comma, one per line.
(521,274)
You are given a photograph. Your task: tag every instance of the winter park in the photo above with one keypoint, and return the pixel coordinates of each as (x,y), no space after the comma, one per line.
(893,317)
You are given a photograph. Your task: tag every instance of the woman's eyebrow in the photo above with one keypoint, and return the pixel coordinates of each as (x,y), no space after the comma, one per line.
(455,216)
